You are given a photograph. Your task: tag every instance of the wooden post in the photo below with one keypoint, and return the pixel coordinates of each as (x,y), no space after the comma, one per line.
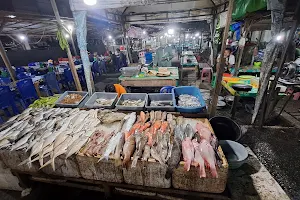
(71,62)
(73,44)
(221,65)
(7,63)
(277,8)
(272,95)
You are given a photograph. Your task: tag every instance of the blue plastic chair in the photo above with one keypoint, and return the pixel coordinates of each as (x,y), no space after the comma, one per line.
(166,89)
(5,81)
(23,75)
(51,84)
(27,91)
(20,70)
(7,99)
(68,78)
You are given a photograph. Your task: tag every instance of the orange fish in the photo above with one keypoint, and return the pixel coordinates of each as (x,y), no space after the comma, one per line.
(164,126)
(132,130)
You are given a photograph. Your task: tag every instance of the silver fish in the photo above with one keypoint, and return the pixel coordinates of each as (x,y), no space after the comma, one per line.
(141,140)
(4,143)
(43,154)
(111,146)
(22,141)
(189,132)
(76,146)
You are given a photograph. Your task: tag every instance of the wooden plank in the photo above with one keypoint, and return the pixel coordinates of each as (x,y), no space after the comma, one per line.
(221,65)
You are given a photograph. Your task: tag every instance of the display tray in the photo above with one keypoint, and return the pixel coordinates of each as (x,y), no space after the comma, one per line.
(59,104)
(106,95)
(132,96)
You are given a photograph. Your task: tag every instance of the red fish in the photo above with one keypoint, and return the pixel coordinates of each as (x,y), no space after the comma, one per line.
(208,154)
(187,152)
(198,160)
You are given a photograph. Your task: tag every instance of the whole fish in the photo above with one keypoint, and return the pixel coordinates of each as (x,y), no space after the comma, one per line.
(128,150)
(164,116)
(22,141)
(174,160)
(179,120)
(208,154)
(187,152)
(198,160)
(119,147)
(141,140)
(155,155)
(165,144)
(129,121)
(146,153)
(59,150)
(114,141)
(76,146)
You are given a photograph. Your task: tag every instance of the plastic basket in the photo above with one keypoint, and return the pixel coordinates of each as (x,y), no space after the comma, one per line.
(191,91)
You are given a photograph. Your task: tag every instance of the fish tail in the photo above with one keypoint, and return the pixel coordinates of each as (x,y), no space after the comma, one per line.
(53,163)
(134,162)
(202,172)
(125,163)
(41,156)
(213,171)
(47,163)
(24,162)
(187,165)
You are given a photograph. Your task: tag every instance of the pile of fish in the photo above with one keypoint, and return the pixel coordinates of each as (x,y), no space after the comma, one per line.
(112,135)
(130,102)
(104,102)
(49,133)
(161,103)
(186,100)
(201,149)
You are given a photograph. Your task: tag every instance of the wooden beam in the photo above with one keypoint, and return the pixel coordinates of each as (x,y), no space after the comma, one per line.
(7,63)
(71,62)
(221,65)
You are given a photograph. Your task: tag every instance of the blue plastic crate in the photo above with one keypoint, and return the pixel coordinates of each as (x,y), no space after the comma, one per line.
(191,91)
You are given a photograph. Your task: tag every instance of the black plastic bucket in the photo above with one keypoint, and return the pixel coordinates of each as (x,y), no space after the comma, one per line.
(225,128)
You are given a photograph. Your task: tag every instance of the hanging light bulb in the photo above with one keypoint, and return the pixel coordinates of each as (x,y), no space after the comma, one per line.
(90,2)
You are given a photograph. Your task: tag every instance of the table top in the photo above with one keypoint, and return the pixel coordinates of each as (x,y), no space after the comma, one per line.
(173,70)
(233,92)
(191,57)
(248,69)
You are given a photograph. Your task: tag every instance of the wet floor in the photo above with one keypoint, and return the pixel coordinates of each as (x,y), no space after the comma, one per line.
(278,149)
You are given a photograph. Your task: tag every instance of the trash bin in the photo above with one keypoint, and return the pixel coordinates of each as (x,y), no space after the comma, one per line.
(225,128)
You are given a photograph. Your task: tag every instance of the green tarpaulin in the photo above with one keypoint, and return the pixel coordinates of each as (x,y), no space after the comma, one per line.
(241,7)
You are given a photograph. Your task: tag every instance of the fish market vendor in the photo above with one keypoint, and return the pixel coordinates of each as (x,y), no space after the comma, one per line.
(115,88)
(229,60)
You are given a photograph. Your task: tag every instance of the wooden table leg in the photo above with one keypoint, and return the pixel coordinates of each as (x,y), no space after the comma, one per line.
(233,107)
(37,88)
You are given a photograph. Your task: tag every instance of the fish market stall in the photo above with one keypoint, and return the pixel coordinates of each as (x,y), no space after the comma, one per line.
(189,68)
(115,149)
(145,80)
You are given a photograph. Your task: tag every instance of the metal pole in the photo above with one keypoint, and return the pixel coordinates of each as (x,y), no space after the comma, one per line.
(7,63)
(221,65)
(71,63)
